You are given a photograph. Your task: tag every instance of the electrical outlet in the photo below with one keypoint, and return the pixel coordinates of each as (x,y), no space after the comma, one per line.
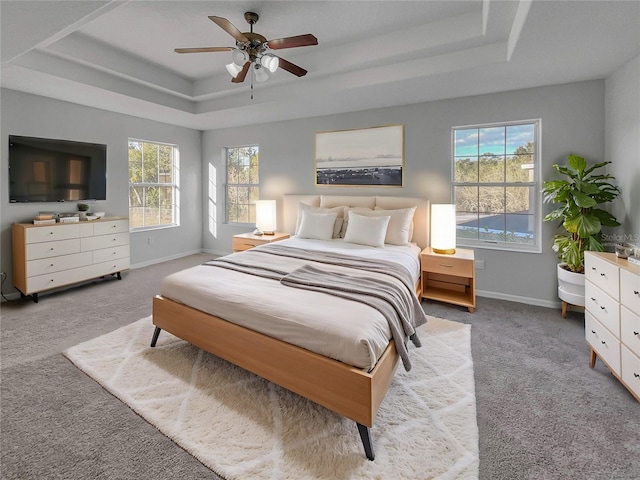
(479,264)
(150,240)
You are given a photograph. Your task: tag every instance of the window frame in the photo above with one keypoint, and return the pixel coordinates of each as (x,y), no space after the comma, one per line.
(175,185)
(225,153)
(536,246)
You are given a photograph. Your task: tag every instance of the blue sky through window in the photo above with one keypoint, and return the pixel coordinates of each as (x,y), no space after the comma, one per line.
(496,140)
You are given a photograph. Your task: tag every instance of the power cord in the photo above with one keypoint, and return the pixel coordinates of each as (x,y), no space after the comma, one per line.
(3,277)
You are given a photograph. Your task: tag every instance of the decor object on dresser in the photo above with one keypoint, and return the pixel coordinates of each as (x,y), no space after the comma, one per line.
(244,427)
(449,278)
(254,52)
(246,241)
(369,156)
(579,196)
(443,228)
(52,256)
(612,316)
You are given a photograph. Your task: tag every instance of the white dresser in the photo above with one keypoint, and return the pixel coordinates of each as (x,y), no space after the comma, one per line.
(612,316)
(51,256)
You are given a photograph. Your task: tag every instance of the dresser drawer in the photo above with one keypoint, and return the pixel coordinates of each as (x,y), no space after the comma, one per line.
(106,268)
(630,290)
(603,342)
(111,226)
(604,308)
(630,329)
(448,266)
(52,249)
(45,266)
(631,371)
(51,232)
(104,241)
(109,254)
(602,274)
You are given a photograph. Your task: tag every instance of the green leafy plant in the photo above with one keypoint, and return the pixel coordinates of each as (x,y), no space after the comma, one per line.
(83,207)
(579,196)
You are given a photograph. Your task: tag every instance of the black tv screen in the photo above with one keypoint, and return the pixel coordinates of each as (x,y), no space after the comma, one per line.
(50,170)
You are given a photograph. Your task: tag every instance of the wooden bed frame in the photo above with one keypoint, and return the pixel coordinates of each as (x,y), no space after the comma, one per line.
(348,391)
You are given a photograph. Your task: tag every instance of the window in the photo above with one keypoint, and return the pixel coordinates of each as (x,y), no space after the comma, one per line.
(153,184)
(242,184)
(496,186)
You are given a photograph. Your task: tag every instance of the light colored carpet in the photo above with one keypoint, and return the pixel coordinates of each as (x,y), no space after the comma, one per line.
(243,427)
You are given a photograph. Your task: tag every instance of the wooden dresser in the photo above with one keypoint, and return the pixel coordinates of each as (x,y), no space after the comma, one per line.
(55,255)
(612,316)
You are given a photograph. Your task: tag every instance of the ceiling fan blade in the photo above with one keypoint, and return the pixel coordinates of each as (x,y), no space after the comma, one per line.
(242,74)
(230,28)
(290,42)
(291,68)
(203,49)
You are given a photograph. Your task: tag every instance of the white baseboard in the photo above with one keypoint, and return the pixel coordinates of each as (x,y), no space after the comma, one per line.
(519,299)
(165,259)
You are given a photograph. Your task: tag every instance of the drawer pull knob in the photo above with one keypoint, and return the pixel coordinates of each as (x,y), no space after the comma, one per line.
(636,333)
(51,265)
(50,233)
(593,299)
(636,292)
(636,375)
(51,248)
(602,308)
(593,268)
(602,275)
(51,280)
(603,342)
(445,265)
(593,331)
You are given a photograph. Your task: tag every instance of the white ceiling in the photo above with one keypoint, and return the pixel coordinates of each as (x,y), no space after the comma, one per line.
(118,55)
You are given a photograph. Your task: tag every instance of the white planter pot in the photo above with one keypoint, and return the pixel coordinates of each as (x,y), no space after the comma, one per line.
(570,286)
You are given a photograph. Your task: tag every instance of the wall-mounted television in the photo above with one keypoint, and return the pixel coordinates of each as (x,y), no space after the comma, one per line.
(50,170)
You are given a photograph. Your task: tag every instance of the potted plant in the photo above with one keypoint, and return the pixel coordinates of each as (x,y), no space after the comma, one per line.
(578,195)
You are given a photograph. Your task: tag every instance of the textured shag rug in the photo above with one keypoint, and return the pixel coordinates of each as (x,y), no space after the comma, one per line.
(243,427)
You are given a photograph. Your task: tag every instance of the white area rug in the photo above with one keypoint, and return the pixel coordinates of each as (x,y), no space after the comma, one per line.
(243,427)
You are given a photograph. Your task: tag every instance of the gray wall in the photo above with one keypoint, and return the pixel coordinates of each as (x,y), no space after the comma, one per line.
(572,122)
(622,140)
(31,115)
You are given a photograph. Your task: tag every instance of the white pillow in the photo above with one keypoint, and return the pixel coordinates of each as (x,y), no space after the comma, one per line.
(317,225)
(358,210)
(400,229)
(303,207)
(366,230)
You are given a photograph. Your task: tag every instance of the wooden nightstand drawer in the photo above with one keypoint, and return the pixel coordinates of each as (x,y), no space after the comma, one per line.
(246,241)
(447,266)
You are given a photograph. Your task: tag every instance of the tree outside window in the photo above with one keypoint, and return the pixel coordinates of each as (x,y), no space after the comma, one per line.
(495,172)
(152,184)
(243,181)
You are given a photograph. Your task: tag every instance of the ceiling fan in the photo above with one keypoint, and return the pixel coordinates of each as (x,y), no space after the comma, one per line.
(254,51)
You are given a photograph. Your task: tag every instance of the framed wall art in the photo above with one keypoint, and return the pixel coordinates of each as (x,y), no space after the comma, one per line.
(372,157)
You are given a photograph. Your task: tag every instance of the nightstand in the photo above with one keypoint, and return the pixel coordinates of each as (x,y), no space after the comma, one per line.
(449,278)
(245,241)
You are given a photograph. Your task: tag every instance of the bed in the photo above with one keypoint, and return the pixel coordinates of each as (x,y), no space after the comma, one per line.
(266,327)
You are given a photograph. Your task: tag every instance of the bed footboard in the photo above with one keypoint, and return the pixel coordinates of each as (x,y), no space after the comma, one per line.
(346,390)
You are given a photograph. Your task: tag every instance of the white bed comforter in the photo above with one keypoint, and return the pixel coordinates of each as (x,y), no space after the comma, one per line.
(344,330)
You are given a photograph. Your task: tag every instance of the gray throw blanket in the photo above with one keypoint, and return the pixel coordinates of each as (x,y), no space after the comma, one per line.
(397,303)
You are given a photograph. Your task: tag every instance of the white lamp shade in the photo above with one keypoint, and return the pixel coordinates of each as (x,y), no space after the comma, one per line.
(443,228)
(270,62)
(261,73)
(233,69)
(239,57)
(266,216)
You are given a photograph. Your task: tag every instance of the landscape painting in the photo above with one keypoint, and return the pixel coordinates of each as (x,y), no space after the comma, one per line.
(365,157)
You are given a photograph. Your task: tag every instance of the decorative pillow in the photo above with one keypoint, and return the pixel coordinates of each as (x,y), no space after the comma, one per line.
(358,210)
(400,228)
(317,225)
(303,207)
(366,230)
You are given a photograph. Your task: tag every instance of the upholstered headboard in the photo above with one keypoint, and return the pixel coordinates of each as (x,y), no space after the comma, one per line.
(420,217)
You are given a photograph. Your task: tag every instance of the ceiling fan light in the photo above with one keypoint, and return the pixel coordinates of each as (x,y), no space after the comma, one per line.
(261,73)
(239,57)
(233,69)
(270,62)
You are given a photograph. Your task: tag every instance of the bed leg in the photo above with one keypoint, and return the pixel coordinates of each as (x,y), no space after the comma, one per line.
(156,333)
(365,435)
